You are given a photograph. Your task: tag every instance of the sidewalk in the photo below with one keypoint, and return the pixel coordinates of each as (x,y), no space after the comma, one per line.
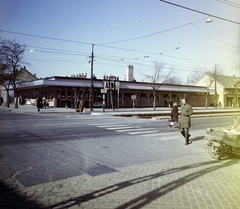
(161,111)
(190,182)
(195,182)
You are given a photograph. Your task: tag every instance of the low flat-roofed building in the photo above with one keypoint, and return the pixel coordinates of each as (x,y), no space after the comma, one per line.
(60,91)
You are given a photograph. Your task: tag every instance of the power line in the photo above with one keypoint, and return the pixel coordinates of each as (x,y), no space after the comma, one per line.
(45,37)
(193,10)
(179,47)
(57,51)
(229,3)
(152,34)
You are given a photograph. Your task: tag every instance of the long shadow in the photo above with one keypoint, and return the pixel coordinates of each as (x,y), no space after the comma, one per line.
(144,199)
(11,198)
(198,138)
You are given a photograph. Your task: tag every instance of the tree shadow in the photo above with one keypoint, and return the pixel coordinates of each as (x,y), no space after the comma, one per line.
(12,198)
(145,199)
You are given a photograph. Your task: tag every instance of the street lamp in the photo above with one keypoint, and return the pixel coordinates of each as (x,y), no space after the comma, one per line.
(208,20)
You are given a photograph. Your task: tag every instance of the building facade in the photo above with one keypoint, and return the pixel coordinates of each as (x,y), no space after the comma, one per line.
(23,76)
(62,91)
(227,89)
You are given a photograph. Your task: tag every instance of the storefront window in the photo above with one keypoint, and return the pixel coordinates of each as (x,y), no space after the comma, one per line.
(127,97)
(142,98)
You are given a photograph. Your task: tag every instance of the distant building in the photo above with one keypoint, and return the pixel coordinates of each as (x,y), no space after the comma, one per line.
(227,89)
(23,76)
(61,90)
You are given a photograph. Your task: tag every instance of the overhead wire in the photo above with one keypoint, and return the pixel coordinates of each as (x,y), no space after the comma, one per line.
(57,51)
(230,3)
(145,36)
(101,45)
(44,37)
(197,11)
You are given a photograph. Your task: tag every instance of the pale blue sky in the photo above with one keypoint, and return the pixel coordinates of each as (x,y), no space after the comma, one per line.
(182,39)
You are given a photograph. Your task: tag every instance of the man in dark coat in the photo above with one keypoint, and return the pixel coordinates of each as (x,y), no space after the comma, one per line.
(185,120)
(39,103)
(174,115)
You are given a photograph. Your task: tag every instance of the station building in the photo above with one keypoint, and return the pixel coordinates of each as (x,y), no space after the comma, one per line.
(61,91)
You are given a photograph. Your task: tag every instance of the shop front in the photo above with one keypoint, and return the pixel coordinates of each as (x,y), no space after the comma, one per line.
(64,91)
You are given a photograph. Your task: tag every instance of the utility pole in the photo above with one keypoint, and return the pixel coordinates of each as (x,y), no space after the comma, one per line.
(215,87)
(91,81)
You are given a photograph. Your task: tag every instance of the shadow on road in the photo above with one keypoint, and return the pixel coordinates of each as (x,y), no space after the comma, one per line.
(147,198)
(198,138)
(12,198)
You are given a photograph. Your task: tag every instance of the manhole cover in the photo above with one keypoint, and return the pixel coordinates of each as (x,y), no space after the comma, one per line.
(98,170)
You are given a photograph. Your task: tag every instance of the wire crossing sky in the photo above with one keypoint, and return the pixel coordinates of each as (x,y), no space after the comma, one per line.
(59,35)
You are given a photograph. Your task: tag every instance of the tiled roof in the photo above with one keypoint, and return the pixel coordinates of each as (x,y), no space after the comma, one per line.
(227,81)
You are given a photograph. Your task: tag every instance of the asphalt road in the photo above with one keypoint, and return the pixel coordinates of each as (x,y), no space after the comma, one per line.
(39,148)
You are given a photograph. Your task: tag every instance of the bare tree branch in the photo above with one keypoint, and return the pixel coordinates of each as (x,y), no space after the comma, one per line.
(11,60)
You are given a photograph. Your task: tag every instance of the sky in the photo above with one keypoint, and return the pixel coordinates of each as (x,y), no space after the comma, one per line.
(60,36)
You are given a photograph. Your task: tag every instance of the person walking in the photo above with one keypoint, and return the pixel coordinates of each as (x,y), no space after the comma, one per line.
(185,120)
(39,103)
(77,105)
(81,106)
(174,116)
(44,102)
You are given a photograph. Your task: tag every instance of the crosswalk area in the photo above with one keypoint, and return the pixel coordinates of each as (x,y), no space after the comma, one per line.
(118,125)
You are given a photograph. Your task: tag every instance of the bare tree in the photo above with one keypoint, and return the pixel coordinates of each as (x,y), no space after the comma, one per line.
(196,75)
(5,81)
(212,76)
(11,59)
(157,77)
(173,79)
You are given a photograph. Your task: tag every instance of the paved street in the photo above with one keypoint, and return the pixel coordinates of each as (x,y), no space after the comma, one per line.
(104,161)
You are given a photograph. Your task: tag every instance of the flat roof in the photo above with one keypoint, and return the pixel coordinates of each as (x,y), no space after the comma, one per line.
(98,83)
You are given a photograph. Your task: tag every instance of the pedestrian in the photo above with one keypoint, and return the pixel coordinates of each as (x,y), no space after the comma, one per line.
(44,101)
(39,103)
(81,107)
(66,103)
(77,105)
(174,116)
(1,101)
(185,120)
(72,103)
(20,100)
(170,104)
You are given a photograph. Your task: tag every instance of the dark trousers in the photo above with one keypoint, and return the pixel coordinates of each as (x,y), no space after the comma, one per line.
(185,133)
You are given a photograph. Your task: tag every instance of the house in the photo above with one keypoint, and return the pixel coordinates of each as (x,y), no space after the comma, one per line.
(227,89)
(23,76)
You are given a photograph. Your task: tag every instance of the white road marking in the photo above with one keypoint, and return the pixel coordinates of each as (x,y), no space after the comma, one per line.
(134,129)
(120,128)
(142,132)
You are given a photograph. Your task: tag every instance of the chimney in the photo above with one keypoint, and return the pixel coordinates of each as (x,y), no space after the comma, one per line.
(129,73)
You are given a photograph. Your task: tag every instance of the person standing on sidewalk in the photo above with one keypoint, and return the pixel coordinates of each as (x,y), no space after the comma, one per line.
(185,120)
(174,116)
(39,103)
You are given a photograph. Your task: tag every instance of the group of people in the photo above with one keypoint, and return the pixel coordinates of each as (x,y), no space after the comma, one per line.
(41,103)
(185,120)
(79,106)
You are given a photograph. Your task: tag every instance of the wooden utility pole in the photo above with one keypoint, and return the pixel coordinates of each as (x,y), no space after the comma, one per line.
(215,87)
(91,82)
